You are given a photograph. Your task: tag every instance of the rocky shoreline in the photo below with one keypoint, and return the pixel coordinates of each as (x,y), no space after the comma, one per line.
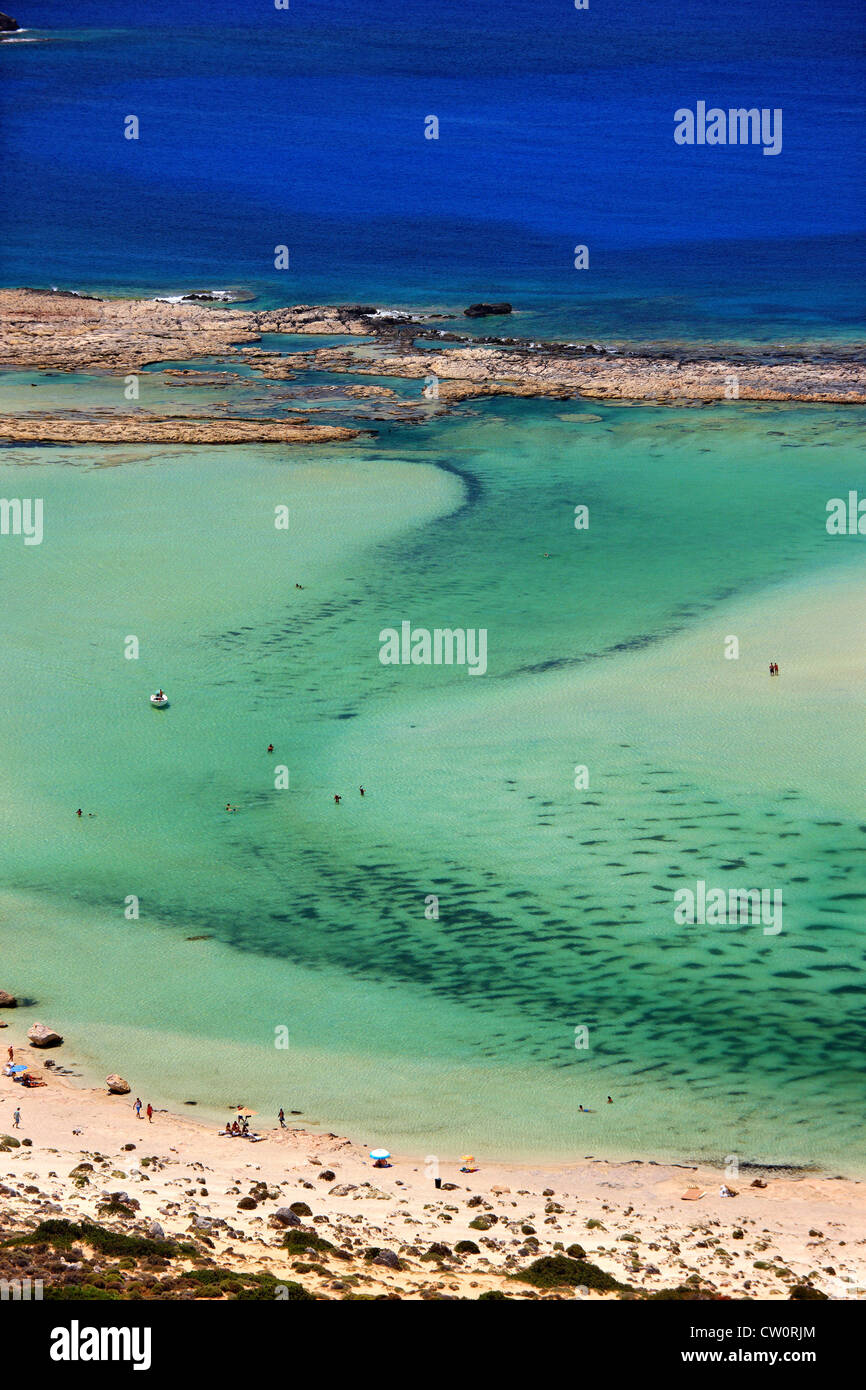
(172,429)
(57,331)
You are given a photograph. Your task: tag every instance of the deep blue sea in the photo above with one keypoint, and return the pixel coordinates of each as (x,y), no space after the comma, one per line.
(305,127)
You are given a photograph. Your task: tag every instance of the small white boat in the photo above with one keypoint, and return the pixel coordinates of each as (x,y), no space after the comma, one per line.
(159,700)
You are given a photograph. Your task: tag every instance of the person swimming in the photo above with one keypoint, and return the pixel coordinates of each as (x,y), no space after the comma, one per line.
(337,798)
(270,748)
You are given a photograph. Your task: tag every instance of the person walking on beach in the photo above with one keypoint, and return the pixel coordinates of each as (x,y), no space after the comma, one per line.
(149,1113)
(11,1053)
(137,1108)
(282,1118)
(16,1118)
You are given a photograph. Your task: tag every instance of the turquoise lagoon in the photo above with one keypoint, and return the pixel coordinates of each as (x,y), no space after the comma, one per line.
(298,917)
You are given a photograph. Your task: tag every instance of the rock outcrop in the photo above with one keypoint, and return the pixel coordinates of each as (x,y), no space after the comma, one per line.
(483,311)
(284,1216)
(171,429)
(62,331)
(7,1000)
(8,25)
(40,1035)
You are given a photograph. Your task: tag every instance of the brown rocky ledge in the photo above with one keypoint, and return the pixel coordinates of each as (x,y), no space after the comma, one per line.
(68,332)
(159,429)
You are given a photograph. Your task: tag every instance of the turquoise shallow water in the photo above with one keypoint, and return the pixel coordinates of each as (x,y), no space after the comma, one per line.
(555,908)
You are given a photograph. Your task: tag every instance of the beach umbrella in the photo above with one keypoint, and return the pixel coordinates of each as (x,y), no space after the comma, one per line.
(379,1153)
(242,1110)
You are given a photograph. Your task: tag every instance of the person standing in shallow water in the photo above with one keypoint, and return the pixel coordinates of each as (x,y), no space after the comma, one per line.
(282,1118)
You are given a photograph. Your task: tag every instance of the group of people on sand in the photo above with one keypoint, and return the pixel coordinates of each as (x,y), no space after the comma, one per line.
(20,1074)
(240,1126)
(149,1111)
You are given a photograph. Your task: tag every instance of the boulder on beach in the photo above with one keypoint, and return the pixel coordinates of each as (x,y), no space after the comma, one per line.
(375,1256)
(481,311)
(116,1085)
(7,1000)
(284,1216)
(40,1035)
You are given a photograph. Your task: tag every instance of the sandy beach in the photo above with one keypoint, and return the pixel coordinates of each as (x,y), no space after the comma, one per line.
(175,1179)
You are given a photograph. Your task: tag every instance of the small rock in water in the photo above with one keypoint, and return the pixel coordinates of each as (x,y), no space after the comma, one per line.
(480,311)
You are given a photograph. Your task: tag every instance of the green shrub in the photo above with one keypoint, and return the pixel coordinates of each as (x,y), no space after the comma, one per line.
(554,1271)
